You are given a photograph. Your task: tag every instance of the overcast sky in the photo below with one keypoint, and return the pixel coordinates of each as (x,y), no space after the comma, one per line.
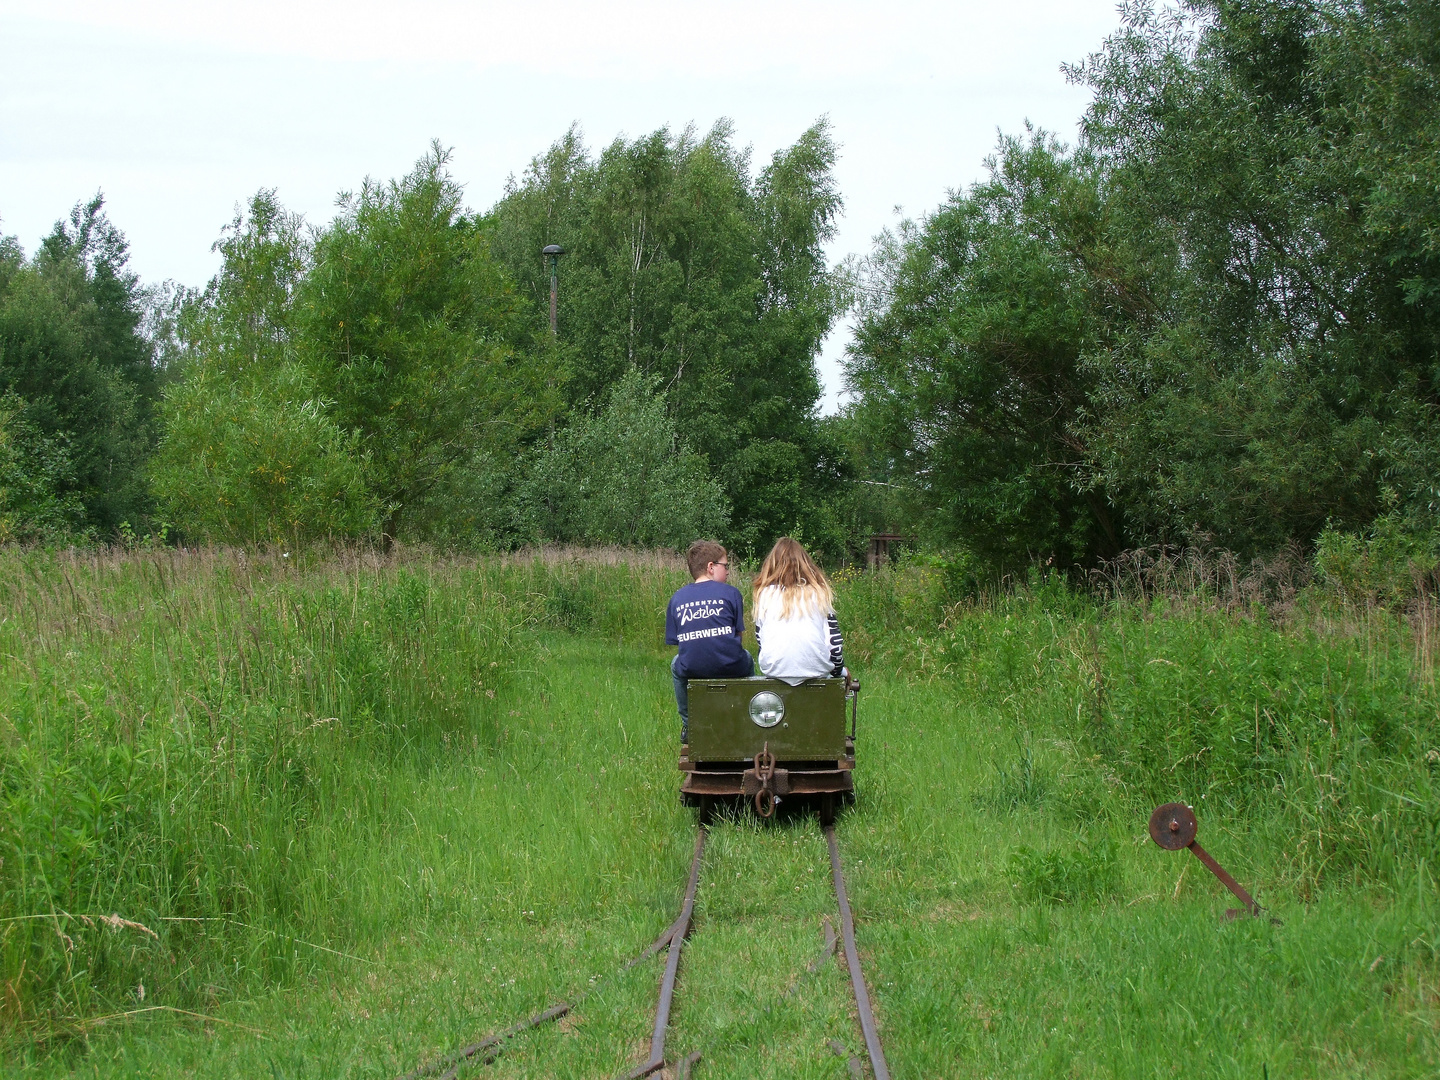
(178,110)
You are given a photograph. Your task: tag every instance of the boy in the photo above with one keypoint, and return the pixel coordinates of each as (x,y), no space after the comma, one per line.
(706,619)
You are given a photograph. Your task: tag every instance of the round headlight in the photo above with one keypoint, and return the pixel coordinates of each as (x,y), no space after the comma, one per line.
(767,709)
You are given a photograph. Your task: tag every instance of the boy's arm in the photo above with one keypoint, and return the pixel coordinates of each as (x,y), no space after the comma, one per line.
(741,629)
(671,630)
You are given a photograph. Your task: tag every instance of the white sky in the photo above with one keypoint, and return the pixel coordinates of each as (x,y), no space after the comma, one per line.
(180,109)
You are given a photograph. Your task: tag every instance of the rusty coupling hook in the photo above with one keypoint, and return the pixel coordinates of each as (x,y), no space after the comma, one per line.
(765,769)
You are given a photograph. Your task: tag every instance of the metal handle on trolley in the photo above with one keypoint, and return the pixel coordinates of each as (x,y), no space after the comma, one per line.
(852,691)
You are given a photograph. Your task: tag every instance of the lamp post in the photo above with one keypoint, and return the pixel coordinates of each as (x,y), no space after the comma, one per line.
(553,253)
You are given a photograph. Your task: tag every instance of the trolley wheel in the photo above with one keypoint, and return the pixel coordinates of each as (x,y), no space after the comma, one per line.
(707,809)
(827,810)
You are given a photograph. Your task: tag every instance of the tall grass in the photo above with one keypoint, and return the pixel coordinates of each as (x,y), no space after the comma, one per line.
(190,741)
(615,594)
(212,746)
(224,749)
(1314,719)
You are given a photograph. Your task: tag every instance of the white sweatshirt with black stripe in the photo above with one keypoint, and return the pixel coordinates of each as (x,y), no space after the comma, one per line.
(807,645)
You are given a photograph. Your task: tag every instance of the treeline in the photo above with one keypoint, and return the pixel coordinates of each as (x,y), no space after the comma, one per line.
(1211,322)
(391,374)
(1214,321)
(80,377)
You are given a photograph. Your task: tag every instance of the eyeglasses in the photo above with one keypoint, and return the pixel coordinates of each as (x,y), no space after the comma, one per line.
(724,564)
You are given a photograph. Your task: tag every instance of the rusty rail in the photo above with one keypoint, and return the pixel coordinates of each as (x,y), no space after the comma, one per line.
(852,959)
(488,1048)
(677,933)
(675,936)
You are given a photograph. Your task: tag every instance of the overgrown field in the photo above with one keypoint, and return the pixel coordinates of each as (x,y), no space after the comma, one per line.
(353,812)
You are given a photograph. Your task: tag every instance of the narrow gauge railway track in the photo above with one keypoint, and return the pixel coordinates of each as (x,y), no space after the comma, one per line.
(679,930)
(795,736)
(673,940)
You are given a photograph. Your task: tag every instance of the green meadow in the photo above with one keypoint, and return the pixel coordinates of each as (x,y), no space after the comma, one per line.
(327,814)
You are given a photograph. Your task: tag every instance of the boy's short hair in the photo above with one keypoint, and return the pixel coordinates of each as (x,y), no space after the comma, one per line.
(700,554)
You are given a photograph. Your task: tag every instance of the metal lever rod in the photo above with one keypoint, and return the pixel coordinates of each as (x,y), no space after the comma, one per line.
(1225,878)
(1173,826)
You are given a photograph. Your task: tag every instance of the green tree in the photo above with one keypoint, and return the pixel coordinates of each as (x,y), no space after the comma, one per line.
(250,451)
(683,266)
(967,360)
(1283,152)
(621,475)
(336,379)
(77,368)
(417,338)
(1215,321)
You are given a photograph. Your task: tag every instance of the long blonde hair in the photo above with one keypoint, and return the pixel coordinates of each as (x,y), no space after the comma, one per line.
(803,585)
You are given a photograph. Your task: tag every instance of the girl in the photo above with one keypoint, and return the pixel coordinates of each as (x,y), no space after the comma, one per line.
(795,621)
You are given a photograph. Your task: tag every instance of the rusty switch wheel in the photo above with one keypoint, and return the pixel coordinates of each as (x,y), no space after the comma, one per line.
(1173,826)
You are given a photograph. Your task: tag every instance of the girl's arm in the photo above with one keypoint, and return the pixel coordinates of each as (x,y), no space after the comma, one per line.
(837,648)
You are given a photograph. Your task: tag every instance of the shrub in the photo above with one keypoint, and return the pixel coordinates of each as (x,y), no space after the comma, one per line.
(622,476)
(1388,563)
(1091,871)
(260,464)
(34,472)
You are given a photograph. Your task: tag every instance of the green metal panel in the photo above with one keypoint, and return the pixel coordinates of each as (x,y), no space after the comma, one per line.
(813,728)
